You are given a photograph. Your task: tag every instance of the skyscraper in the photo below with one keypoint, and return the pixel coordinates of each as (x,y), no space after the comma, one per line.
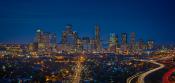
(39,39)
(53,40)
(141,44)
(69,39)
(93,45)
(124,47)
(132,41)
(45,41)
(150,44)
(86,43)
(117,41)
(97,38)
(113,42)
(124,38)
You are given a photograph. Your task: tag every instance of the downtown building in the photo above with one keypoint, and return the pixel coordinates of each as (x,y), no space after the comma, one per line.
(44,42)
(113,43)
(72,43)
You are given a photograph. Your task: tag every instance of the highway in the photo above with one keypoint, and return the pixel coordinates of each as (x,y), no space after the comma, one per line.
(130,79)
(142,76)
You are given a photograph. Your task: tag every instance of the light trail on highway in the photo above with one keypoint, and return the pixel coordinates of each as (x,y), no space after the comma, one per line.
(142,76)
(129,80)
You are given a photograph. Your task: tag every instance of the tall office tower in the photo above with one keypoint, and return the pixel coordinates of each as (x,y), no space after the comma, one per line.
(113,41)
(132,41)
(63,40)
(45,41)
(86,43)
(124,39)
(40,39)
(124,47)
(117,41)
(117,45)
(69,39)
(150,44)
(38,35)
(92,45)
(141,44)
(97,38)
(79,45)
(53,40)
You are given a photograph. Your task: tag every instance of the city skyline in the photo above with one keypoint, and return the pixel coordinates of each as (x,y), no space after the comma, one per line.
(87,41)
(93,36)
(149,19)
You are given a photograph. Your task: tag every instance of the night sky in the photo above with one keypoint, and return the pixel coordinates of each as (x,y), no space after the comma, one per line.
(150,19)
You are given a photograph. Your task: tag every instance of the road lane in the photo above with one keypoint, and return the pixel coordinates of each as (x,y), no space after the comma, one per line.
(142,76)
(129,80)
